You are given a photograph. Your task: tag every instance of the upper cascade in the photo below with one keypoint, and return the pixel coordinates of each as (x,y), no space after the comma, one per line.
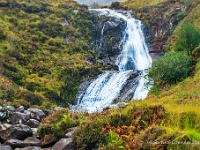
(134,56)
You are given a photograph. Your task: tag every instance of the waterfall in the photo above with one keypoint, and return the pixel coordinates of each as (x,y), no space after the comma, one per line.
(134,56)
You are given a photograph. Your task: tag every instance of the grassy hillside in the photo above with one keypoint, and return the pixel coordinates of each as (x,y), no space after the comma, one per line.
(43,48)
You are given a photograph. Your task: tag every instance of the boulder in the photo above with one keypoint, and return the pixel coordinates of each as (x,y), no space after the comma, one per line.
(33,123)
(49,139)
(31,141)
(64,144)
(15,143)
(4,126)
(10,108)
(110,25)
(18,117)
(70,132)
(36,113)
(20,109)
(5,147)
(29,148)
(19,131)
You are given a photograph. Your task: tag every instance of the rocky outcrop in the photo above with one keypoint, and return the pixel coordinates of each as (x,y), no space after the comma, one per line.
(15,143)
(36,114)
(18,117)
(64,144)
(29,148)
(127,93)
(20,131)
(108,35)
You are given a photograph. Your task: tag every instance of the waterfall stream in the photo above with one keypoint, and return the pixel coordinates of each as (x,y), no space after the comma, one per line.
(134,56)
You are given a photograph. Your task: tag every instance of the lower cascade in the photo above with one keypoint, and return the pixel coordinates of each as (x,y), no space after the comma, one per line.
(129,81)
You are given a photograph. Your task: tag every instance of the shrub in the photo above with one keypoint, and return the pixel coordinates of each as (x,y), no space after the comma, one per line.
(180,15)
(57,123)
(113,141)
(171,68)
(2,35)
(188,38)
(89,134)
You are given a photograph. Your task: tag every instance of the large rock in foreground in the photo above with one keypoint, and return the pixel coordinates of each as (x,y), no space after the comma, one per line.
(19,131)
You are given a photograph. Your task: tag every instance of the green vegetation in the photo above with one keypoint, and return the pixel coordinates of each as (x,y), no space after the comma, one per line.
(140,4)
(43,47)
(171,68)
(169,119)
(58,122)
(188,38)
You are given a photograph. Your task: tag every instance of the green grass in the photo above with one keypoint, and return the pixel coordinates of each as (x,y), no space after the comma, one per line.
(138,4)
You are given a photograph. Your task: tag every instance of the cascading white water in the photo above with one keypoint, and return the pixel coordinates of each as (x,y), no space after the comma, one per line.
(134,56)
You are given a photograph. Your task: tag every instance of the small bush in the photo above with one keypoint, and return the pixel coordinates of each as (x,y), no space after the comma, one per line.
(171,68)
(188,38)
(89,134)
(113,141)
(180,15)
(57,123)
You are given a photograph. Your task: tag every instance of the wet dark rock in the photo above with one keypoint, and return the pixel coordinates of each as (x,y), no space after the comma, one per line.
(33,123)
(64,144)
(127,93)
(36,113)
(108,34)
(18,117)
(20,109)
(108,25)
(19,131)
(15,143)
(33,141)
(5,147)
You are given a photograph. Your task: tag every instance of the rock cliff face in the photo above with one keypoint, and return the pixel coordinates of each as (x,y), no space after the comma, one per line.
(108,34)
